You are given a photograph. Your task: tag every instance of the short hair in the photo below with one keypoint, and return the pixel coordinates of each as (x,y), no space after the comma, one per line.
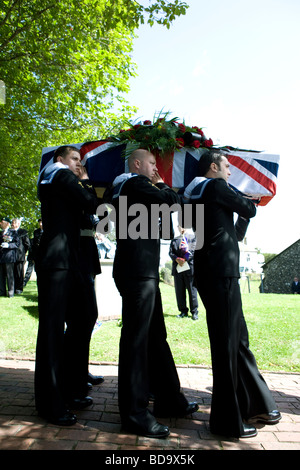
(63,151)
(207,159)
(138,154)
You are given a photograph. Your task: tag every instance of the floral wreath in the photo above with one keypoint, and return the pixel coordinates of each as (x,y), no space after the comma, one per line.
(162,136)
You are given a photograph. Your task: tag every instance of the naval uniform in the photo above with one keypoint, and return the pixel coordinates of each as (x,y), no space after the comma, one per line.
(8,258)
(20,260)
(61,293)
(145,358)
(239,390)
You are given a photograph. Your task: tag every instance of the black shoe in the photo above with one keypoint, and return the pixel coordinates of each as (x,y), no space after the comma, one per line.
(182,315)
(68,419)
(89,386)
(95,379)
(195,316)
(156,430)
(165,412)
(80,403)
(273,417)
(249,431)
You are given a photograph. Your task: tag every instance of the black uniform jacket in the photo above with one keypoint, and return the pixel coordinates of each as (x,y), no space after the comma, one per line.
(62,205)
(220,253)
(176,252)
(139,257)
(88,259)
(9,255)
(24,244)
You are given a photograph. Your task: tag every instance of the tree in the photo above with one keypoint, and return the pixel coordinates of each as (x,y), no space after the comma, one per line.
(66,66)
(269,256)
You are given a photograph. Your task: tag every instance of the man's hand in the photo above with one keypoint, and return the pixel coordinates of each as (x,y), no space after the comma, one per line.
(83,175)
(157,178)
(180,261)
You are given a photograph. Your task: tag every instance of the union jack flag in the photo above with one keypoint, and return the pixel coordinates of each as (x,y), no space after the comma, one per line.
(252,173)
(184,248)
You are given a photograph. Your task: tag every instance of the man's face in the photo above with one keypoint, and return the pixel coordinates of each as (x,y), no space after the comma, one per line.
(147,166)
(4,224)
(73,161)
(224,170)
(15,224)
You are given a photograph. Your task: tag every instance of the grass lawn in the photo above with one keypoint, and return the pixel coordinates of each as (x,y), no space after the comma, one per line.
(272,319)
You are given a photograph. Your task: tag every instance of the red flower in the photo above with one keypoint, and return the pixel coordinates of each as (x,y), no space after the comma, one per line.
(198,130)
(196,144)
(208,143)
(136,126)
(181,127)
(147,123)
(180,142)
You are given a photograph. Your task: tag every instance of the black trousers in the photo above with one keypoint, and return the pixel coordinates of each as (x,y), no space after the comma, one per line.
(19,275)
(183,283)
(145,359)
(61,355)
(239,390)
(28,273)
(7,277)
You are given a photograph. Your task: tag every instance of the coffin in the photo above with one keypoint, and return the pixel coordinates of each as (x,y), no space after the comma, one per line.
(252,173)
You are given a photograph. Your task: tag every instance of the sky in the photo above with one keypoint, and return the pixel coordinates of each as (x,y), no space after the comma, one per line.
(232,68)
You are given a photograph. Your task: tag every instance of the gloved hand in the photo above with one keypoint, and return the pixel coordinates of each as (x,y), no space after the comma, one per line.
(4,245)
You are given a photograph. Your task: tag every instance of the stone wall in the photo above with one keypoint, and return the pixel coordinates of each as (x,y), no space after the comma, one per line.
(281,270)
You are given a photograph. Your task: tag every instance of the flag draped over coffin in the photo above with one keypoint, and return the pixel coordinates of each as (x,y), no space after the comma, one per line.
(252,173)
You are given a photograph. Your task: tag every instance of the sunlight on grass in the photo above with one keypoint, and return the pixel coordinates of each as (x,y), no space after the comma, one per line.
(272,319)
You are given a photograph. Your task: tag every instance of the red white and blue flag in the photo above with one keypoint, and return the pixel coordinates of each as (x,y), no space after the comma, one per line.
(184,248)
(252,173)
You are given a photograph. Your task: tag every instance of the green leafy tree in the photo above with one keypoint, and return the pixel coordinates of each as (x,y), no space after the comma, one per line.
(65,66)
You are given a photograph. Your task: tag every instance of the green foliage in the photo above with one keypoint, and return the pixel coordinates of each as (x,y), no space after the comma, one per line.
(165,273)
(269,256)
(65,66)
(164,135)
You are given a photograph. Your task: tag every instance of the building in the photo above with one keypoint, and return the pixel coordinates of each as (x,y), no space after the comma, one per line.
(251,261)
(280,271)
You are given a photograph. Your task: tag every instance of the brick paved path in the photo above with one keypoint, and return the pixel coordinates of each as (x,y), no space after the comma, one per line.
(98,427)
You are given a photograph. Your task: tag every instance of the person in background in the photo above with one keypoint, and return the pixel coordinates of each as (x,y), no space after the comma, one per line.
(182,254)
(21,255)
(37,234)
(295,286)
(32,252)
(104,246)
(9,244)
(30,264)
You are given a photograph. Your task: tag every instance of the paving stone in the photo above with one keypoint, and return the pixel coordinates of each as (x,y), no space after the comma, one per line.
(99,428)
